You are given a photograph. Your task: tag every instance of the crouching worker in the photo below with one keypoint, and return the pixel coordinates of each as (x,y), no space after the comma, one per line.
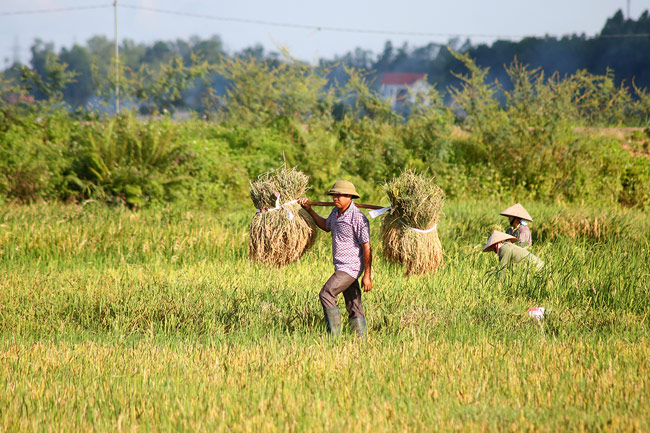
(509,253)
(351,256)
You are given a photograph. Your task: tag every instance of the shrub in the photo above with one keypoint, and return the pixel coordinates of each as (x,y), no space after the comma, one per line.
(35,159)
(261,91)
(126,160)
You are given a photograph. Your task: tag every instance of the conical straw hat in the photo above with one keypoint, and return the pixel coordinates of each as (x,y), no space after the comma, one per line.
(495,238)
(517,211)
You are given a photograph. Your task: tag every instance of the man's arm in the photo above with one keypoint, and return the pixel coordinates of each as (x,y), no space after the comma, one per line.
(366,281)
(319,220)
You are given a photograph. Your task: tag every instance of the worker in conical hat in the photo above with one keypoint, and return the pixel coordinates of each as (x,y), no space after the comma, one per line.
(509,253)
(519,219)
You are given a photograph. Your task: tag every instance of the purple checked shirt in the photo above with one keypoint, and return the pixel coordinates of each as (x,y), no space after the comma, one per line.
(349,231)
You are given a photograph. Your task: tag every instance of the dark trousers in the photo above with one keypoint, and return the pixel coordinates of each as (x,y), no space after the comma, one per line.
(342,282)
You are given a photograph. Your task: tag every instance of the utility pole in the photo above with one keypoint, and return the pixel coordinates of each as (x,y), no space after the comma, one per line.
(16,48)
(629,17)
(117,65)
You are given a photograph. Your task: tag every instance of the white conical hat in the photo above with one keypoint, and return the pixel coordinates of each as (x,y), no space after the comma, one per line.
(517,211)
(495,238)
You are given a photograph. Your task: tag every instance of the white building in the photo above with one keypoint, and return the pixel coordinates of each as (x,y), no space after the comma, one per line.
(400,88)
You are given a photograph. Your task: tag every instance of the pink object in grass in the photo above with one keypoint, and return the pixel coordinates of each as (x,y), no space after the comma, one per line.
(536,313)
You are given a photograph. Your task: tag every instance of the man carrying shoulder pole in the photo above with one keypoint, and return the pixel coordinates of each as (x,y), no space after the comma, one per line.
(351,255)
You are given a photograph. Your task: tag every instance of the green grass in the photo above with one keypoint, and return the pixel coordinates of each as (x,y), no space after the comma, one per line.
(113,320)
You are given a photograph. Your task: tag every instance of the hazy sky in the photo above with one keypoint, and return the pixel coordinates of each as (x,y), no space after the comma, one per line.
(438,19)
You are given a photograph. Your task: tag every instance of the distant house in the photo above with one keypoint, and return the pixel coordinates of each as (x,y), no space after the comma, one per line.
(400,88)
(19,98)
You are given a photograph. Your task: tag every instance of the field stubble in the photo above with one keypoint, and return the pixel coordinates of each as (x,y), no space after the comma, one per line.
(114,320)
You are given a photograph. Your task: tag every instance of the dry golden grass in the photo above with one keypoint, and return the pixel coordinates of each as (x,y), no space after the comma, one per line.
(420,253)
(159,322)
(576,225)
(417,203)
(280,236)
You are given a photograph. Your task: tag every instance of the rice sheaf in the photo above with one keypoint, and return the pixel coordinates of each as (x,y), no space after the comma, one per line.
(280,236)
(416,202)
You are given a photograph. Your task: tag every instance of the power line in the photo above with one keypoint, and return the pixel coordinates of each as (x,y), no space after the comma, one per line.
(307,26)
(354,30)
(314,27)
(53,10)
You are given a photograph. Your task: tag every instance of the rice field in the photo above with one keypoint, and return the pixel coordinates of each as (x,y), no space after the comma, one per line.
(156,320)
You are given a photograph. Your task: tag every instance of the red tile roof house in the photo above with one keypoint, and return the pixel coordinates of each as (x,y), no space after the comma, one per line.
(402,87)
(19,98)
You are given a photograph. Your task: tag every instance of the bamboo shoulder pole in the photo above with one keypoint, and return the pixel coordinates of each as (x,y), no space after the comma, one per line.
(331,203)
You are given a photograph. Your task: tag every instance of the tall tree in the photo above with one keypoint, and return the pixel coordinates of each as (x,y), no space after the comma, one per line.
(79,61)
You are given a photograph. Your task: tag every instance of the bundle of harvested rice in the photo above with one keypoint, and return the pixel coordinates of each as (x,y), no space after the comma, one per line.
(409,233)
(281,231)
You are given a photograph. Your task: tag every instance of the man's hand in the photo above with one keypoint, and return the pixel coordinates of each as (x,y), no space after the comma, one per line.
(366,282)
(319,220)
(304,203)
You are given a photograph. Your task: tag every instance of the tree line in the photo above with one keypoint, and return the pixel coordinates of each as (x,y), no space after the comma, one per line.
(614,49)
(167,75)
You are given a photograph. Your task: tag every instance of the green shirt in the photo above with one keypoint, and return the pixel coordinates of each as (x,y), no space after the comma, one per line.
(512,254)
